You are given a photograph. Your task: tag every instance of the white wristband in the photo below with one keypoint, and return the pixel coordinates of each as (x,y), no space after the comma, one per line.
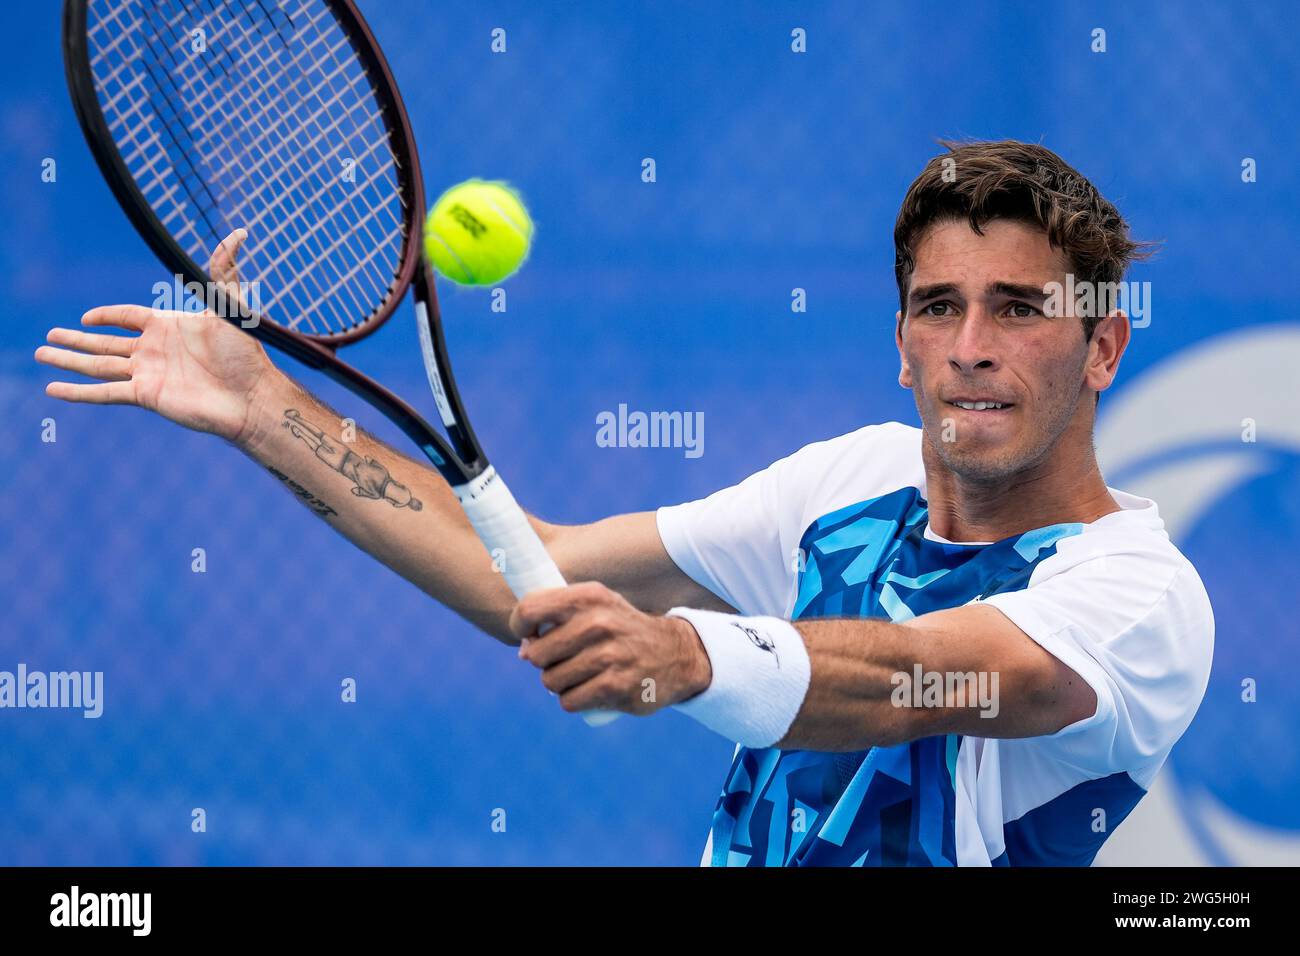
(760,676)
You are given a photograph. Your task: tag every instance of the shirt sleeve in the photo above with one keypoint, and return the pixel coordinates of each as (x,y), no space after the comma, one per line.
(1136,624)
(730,542)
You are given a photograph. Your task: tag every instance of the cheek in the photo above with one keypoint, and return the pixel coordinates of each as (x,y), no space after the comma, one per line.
(916,351)
(1046,363)
(1057,379)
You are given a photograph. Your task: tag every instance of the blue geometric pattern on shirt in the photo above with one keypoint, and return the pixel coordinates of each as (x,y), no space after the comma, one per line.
(887,805)
(1063,832)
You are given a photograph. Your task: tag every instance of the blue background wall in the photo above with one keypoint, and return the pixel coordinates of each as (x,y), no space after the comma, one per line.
(775,171)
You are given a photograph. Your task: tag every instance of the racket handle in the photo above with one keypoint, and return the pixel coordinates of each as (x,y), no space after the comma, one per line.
(506,532)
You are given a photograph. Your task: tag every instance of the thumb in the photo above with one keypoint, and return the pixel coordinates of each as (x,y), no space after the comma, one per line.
(222,266)
(224,270)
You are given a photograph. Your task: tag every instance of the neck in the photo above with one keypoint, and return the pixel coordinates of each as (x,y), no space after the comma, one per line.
(1065,486)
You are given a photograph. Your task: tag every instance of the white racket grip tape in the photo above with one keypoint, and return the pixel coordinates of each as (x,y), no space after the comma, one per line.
(507,534)
(514,545)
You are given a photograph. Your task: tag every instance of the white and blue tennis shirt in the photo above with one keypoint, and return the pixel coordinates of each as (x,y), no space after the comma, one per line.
(841,529)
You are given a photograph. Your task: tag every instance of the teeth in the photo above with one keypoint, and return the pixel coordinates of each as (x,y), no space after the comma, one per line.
(978,406)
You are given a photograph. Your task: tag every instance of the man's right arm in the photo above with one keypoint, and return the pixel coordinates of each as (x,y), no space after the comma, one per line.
(400,511)
(205,374)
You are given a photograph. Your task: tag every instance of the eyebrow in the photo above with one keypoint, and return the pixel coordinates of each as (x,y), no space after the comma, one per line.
(1015,290)
(1011,290)
(925,293)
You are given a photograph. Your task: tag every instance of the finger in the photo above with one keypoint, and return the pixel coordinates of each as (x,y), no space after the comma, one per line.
(594,694)
(105,393)
(107,368)
(538,609)
(567,674)
(94,343)
(556,605)
(587,627)
(134,317)
(222,267)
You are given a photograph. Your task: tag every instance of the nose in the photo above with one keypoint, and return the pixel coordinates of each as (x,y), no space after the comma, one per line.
(974,344)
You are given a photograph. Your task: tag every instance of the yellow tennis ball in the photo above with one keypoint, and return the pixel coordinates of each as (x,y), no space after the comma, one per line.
(478,232)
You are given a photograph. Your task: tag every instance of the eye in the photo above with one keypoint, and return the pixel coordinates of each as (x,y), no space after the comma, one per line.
(938,309)
(1023,310)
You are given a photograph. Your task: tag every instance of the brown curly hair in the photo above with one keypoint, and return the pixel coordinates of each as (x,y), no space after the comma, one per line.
(983,181)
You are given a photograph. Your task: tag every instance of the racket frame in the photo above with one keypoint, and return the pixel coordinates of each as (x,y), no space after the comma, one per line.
(458,462)
(491,508)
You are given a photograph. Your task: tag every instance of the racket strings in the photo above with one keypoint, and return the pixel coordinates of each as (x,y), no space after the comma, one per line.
(360,218)
(216,40)
(272,125)
(264,199)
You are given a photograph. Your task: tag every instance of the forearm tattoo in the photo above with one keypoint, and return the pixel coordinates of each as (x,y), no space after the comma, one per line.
(320,508)
(369,478)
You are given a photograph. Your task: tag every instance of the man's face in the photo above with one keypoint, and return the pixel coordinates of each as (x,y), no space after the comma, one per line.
(975,332)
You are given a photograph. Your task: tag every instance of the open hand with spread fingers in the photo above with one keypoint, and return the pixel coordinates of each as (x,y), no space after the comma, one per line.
(195,369)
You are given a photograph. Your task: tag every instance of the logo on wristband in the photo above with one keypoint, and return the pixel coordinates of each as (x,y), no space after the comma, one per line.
(760,641)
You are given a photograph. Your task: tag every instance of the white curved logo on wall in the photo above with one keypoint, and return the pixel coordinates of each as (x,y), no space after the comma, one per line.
(1194,403)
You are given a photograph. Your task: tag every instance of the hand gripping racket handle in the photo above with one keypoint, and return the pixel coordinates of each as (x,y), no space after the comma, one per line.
(504,529)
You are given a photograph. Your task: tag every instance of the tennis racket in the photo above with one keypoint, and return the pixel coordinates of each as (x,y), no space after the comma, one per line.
(282,116)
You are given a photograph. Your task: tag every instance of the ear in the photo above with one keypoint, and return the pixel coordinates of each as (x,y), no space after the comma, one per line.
(904,370)
(1109,340)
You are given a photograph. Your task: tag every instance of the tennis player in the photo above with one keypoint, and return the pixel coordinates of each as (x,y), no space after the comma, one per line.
(943,645)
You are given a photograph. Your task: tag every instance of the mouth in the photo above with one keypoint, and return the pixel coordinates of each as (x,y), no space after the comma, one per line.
(979,405)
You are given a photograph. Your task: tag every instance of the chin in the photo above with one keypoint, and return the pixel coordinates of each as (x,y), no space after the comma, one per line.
(984,464)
